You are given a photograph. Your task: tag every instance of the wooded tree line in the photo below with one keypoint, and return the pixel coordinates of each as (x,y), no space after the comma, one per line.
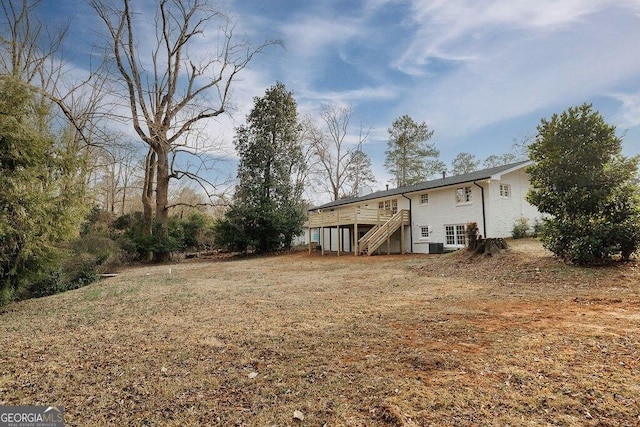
(135,128)
(163,92)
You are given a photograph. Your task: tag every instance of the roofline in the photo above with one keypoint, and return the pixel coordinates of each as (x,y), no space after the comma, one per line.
(491,173)
(524,164)
(448,185)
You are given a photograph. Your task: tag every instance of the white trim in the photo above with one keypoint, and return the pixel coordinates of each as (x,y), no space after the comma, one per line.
(467,196)
(497,176)
(421,236)
(504,194)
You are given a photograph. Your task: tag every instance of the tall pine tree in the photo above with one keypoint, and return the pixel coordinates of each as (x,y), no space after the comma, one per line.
(410,157)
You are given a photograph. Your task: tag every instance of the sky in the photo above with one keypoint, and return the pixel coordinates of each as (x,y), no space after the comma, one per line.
(480,73)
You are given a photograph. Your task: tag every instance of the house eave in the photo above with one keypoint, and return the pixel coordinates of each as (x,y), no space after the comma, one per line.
(491,173)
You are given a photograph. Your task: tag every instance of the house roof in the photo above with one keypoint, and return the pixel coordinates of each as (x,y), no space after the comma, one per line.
(491,173)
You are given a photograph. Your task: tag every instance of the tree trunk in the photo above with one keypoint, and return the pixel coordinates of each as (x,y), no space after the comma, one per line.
(124,193)
(162,200)
(147,194)
(489,247)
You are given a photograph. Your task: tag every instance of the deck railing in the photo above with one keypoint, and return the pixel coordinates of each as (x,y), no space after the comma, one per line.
(346,216)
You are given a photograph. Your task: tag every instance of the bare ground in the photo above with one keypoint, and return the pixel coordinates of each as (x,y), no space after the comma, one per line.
(519,339)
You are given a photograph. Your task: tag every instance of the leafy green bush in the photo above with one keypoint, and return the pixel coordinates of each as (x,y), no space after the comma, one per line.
(50,284)
(231,236)
(194,231)
(76,272)
(586,242)
(80,271)
(588,189)
(137,244)
(538,226)
(520,228)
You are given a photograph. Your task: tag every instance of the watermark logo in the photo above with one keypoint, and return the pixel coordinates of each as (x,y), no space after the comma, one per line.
(31,416)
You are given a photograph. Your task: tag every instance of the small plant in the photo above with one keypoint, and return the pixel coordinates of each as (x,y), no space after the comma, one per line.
(473,235)
(520,228)
(537,227)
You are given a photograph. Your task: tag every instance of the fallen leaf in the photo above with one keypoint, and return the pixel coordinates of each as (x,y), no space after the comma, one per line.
(297,415)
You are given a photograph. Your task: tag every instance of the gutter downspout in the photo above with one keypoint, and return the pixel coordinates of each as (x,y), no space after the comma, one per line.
(410,224)
(484,217)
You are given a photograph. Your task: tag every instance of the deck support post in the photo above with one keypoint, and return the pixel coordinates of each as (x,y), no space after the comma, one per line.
(339,234)
(355,239)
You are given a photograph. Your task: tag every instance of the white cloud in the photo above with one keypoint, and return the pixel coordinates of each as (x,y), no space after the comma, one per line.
(462,29)
(516,61)
(461,65)
(311,35)
(629,114)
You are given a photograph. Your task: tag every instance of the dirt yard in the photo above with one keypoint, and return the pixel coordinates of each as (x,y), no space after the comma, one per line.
(519,339)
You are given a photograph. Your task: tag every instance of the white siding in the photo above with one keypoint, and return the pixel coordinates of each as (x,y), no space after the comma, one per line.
(441,210)
(502,213)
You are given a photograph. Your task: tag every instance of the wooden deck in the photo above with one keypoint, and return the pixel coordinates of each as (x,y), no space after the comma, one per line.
(346,216)
(384,223)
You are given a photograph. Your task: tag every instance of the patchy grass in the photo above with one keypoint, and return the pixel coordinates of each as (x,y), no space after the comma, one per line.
(518,339)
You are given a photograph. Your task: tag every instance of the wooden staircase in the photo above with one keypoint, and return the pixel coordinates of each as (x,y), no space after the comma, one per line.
(364,240)
(380,233)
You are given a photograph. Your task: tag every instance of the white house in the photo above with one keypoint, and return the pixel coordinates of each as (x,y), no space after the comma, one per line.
(427,217)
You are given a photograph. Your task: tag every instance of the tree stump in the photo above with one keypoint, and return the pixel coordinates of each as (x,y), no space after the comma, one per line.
(488,247)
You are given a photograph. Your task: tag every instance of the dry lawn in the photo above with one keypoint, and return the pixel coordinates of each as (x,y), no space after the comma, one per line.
(519,339)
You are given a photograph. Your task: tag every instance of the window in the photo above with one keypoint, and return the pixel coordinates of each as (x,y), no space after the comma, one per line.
(505,191)
(455,235)
(424,232)
(424,199)
(463,195)
(389,205)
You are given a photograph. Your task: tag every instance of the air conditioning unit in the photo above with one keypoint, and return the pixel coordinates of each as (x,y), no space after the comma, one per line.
(436,248)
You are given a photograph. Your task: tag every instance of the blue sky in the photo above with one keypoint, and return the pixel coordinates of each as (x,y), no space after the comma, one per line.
(480,73)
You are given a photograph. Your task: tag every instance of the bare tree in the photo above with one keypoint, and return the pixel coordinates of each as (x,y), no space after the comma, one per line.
(359,172)
(29,51)
(334,154)
(519,151)
(305,176)
(169,90)
(114,172)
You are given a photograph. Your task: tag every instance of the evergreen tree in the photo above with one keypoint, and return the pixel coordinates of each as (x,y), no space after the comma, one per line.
(267,210)
(587,186)
(40,190)
(409,156)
